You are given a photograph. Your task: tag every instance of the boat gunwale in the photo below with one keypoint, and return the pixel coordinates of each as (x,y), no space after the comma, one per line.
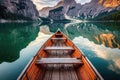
(25,69)
(82,54)
(32,59)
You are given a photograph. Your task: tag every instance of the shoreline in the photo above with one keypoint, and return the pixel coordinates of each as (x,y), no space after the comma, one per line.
(16,21)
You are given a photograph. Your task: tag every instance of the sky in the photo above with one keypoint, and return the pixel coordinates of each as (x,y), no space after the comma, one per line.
(50,3)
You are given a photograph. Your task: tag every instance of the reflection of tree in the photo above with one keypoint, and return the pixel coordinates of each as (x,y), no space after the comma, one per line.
(92,31)
(14,37)
(107,39)
(100,34)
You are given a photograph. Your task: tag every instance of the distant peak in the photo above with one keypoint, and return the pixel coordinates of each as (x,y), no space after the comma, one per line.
(109,3)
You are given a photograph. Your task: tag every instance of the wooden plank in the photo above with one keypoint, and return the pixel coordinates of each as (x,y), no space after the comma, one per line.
(59,61)
(73,74)
(58,38)
(58,48)
(59,34)
(55,74)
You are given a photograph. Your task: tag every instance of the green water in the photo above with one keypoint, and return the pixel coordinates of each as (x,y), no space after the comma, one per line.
(100,42)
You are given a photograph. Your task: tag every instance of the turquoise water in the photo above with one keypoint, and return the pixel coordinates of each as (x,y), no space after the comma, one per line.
(100,42)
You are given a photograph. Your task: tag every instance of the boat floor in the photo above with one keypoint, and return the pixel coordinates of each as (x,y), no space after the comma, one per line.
(60,71)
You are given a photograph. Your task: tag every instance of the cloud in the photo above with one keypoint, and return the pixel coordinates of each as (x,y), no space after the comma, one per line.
(112,55)
(45,3)
(82,1)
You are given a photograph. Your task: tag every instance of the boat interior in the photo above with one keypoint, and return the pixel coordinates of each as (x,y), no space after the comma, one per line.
(59,59)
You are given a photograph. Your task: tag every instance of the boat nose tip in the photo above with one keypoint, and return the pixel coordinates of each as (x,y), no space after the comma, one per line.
(58,29)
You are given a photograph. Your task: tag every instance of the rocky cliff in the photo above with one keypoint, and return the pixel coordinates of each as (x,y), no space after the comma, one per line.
(69,7)
(44,12)
(110,3)
(96,9)
(18,10)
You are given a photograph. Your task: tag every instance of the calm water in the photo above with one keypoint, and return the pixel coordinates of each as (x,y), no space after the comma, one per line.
(100,42)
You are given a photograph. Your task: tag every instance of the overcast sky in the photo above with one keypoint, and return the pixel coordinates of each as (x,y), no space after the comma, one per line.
(45,3)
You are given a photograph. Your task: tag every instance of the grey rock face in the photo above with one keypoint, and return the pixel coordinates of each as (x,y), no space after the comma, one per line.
(69,7)
(24,8)
(56,14)
(91,10)
(94,9)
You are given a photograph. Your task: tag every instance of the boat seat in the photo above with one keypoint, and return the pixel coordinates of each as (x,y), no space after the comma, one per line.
(58,39)
(58,48)
(59,61)
(58,35)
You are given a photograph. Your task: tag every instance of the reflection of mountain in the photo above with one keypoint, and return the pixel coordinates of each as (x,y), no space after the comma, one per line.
(14,37)
(45,29)
(98,33)
(107,39)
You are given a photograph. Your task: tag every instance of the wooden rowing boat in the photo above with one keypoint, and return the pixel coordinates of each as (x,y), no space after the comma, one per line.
(59,59)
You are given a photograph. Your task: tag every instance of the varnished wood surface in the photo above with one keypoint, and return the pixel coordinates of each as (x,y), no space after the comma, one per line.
(58,47)
(63,68)
(59,61)
(58,38)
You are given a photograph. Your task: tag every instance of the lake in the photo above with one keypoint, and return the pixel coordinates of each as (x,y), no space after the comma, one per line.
(100,42)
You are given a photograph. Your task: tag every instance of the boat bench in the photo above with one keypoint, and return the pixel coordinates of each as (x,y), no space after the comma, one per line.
(58,39)
(59,61)
(58,35)
(58,48)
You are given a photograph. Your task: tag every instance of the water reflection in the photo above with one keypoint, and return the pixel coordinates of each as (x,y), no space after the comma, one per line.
(97,34)
(100,43)
(14,37)
(107,39)
(111,55)
(104,33)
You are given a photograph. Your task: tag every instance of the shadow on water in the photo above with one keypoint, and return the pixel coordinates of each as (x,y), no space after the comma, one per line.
(13,38)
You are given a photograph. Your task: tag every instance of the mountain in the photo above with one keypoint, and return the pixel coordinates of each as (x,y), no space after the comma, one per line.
(69,7)
(94,10)
(44,12)
(110,3)
(18,10)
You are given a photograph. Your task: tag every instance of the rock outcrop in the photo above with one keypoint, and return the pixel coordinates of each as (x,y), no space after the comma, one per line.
(69,7)
(18,10)
(56,14)
(96,9)
(110,3)
(44,12)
